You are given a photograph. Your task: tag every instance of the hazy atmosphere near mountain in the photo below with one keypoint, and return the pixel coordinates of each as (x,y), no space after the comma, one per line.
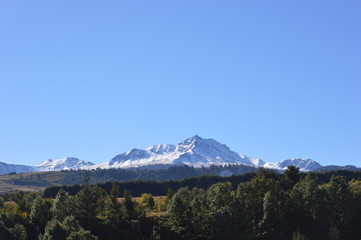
(93,80)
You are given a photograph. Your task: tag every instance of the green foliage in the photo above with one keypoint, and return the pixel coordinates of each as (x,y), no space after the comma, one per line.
(161,205)
(341,206)
(115,211)
(62,206)
(19,232)
(68,229)
(170,194)
(292,176)
(88,203)
(176,214)
(82,235)
(268,206)
(132,211)
(12,213)
(40,213)
(251,196)
(53,231)
(23,200)
(298,236)
(273,224)
(137,187)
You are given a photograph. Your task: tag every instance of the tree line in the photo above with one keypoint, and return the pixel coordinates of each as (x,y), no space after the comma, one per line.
(71,177)
(267,206)
(160,188)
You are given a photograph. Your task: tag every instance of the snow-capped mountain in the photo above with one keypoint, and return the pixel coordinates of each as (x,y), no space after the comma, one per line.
(194,151)
(304,164)
(257,162)
(63,164)
(9,168)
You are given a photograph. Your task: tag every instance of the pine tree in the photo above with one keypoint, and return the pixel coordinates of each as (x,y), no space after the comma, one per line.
(176,214)
(53,231)
(273,224)
(129,205)
(115,210)
(40,213)
(62,207)
(341,205)
(307,208)
(88,203)
(292,176)
(170,194)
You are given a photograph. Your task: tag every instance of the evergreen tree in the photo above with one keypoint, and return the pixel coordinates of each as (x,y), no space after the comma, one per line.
(170,194)
(18,232)
(131,210)
(217,214)
(88,203)
(82,235)
(115,210)
(53,231)
(40,213)
(176,214)
(306,213)
(292,176)
(70,225)
(250,196)
(341,206)
(62,206)
(273,224)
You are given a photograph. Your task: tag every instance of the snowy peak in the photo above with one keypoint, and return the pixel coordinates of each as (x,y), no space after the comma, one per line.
(257,162)
(194,151)
(63,164)
(161,148)
(192,141)
(305,164)
(196,143)
(134,154)
(211,150)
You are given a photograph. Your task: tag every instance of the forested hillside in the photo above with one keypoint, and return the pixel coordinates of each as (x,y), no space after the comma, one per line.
(40,180)
(266,206)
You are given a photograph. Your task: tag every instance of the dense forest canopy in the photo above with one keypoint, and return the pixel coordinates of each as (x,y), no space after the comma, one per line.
(256,206)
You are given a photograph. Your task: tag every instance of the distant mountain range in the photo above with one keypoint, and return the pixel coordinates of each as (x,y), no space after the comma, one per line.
(194,151)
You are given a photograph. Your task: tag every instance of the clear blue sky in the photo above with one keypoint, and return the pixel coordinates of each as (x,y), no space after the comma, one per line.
(91,79)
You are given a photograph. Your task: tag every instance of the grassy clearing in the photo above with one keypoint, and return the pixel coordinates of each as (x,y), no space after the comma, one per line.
(28,182)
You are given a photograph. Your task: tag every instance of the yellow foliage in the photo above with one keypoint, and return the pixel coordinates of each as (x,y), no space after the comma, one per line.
(24,215)
(161,205)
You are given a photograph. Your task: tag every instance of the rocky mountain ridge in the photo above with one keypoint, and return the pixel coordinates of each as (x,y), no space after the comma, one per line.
(194,151)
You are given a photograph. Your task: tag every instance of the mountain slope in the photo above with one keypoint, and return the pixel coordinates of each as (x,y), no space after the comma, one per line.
(194,151)
(8,168)
(63,164)
(303,163)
